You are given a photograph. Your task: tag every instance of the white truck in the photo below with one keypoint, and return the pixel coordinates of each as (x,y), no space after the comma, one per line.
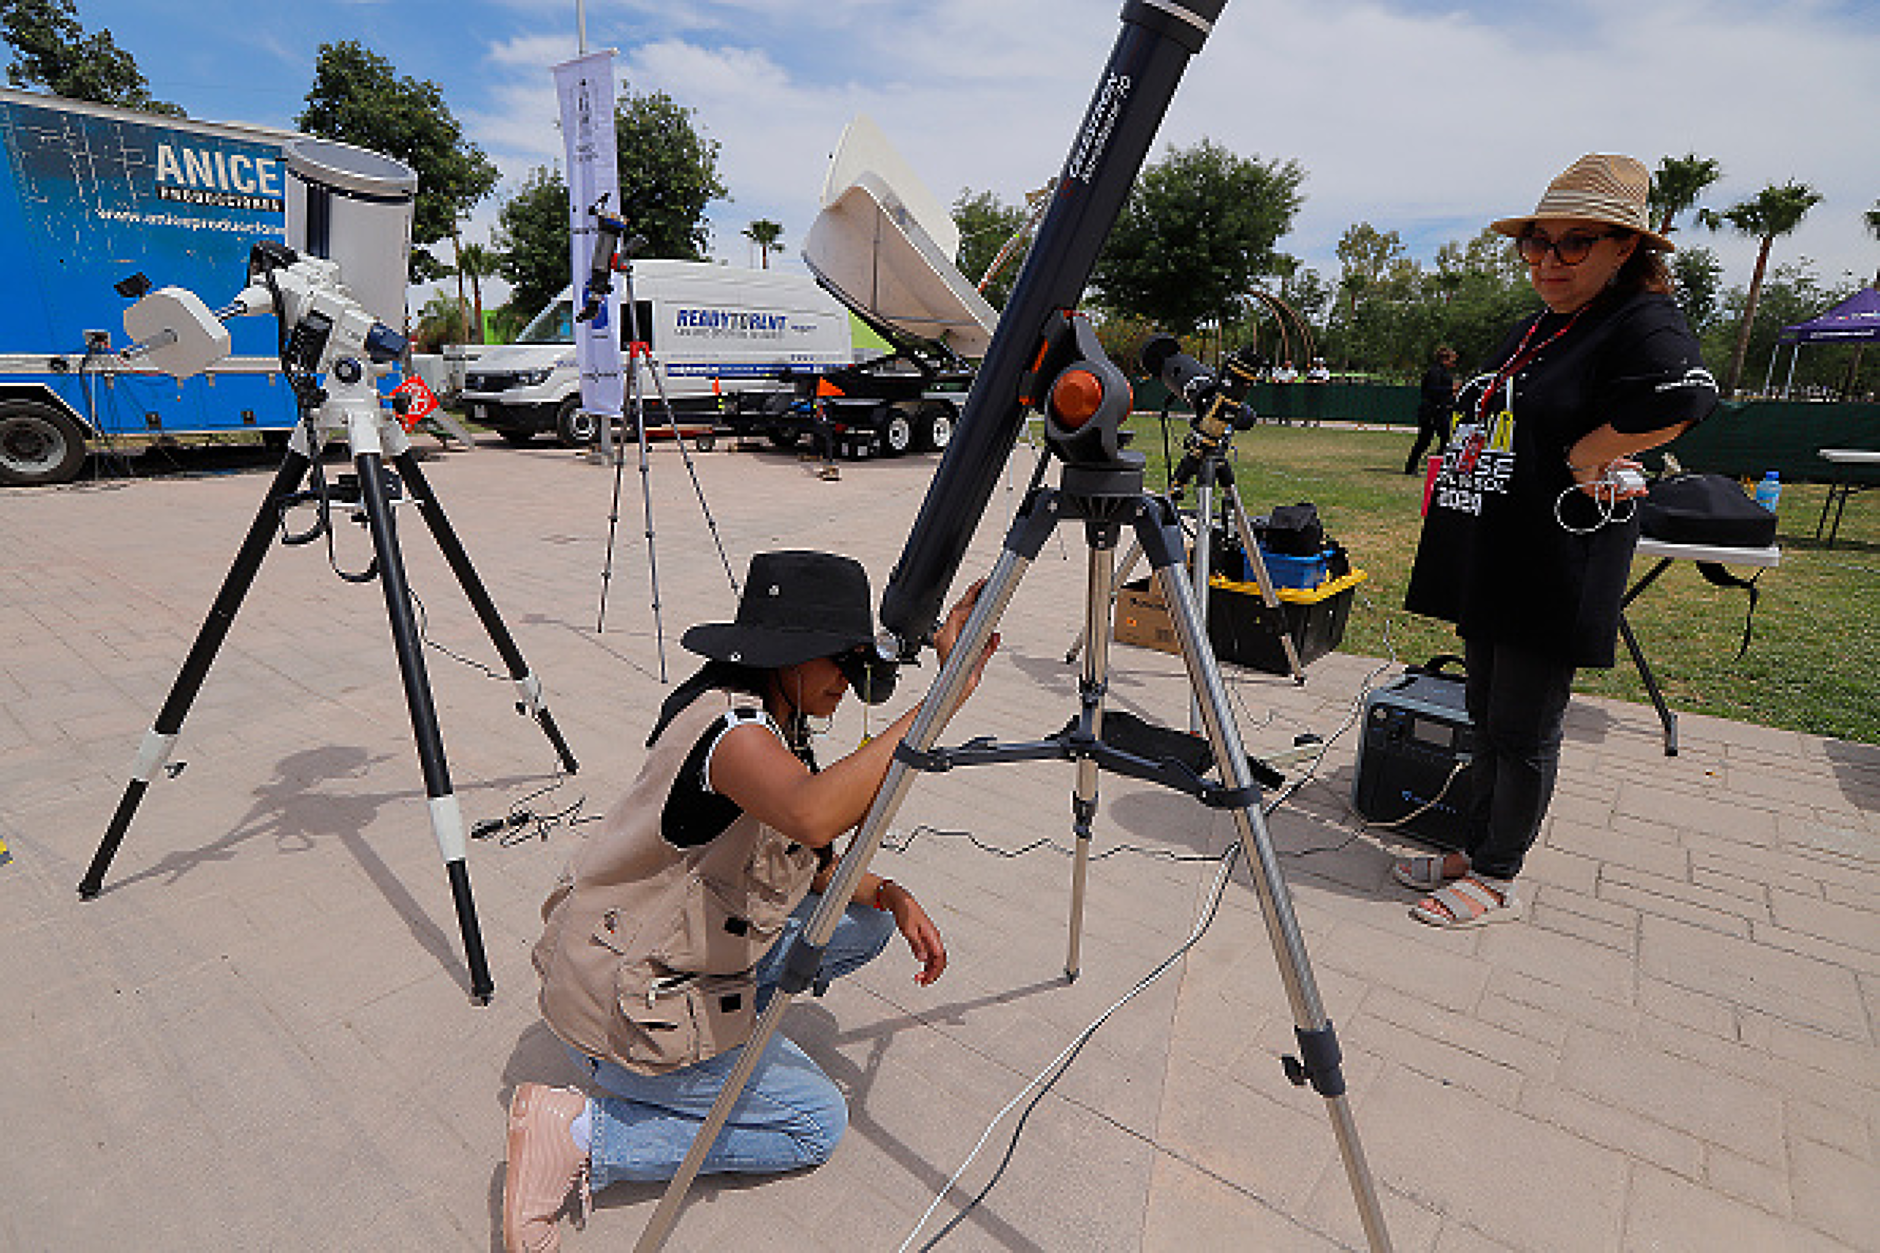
(719,336)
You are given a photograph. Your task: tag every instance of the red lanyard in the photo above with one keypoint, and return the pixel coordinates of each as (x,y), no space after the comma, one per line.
(1522,356)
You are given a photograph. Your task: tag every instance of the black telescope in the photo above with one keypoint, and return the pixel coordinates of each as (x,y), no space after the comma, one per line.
(1218,400)
(1157,39)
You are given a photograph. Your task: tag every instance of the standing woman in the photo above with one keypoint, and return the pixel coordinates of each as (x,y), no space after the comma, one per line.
(1530,532)
(667,933)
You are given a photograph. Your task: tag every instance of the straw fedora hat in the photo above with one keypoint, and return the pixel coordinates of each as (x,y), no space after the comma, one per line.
(1598,187)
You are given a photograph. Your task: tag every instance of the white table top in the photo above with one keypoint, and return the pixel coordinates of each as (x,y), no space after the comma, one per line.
(1770,556)
(1859,456)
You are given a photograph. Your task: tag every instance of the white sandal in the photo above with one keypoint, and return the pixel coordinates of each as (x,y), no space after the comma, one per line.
(1425,874)
(1470,903)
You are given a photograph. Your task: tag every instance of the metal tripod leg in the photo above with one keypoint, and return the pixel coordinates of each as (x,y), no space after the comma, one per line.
(1101,589)
(528,687)
(1318,1044)
(1250,546)
(446,818)
(805,955)
(1131,556)
(161,738)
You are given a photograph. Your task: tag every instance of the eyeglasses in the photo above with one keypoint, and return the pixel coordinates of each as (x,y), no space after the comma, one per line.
(1572,248)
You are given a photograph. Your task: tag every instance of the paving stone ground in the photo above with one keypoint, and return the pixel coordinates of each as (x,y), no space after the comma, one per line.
(259,1036)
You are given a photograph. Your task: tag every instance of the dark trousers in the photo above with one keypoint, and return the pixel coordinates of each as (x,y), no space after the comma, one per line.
(1517,701)
(1430,430)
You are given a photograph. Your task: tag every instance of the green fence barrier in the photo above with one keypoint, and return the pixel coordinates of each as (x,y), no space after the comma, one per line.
(1743,439)
(1373,404)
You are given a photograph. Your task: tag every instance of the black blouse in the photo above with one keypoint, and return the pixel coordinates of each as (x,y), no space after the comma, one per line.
(1494,558)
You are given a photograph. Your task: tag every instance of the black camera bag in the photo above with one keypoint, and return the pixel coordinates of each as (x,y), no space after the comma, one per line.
(1705,509)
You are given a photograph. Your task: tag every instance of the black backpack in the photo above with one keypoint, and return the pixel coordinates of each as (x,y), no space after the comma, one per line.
(1705,509)
(1709,509)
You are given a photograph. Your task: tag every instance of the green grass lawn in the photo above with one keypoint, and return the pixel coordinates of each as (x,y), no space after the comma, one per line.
(1813,663)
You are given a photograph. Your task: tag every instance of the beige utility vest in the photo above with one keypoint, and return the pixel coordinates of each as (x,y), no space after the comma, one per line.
(647,953)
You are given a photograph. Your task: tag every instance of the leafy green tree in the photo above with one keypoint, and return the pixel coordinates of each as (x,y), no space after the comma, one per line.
(668,175)
(531,243)
(1699,279)
(768,237)
(1676,185)
(439,322)
(359,97)
(52,50)
(1767,216)
(1374,323)
(1197,231)
(986,225)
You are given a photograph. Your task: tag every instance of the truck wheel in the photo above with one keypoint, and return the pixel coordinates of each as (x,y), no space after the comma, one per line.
(574,426)
(706,442)
(936,425)
(782,437)
(516,437)
(897,432)
(38,444)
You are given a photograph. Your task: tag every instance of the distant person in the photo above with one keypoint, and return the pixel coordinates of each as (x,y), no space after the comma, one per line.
(1318,371)
(1436,402)
(1529,538)
(1286,373)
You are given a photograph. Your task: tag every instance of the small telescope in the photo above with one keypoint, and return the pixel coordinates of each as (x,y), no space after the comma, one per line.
(1218,400)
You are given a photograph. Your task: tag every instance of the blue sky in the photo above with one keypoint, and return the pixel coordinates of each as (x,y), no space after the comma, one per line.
(1419,116)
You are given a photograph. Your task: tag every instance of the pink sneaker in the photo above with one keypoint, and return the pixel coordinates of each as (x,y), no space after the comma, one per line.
(544,1166)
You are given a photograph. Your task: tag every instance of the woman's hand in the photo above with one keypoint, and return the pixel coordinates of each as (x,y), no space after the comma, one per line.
(923,937)
(1604,482)
(949,633)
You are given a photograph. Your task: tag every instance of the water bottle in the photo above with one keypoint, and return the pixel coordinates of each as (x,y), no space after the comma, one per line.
(1769,491)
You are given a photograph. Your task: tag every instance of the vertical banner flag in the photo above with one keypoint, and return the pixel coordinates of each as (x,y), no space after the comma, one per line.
(585,87)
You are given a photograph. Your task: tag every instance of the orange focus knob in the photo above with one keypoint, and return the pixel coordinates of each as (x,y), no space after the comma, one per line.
(1075,397)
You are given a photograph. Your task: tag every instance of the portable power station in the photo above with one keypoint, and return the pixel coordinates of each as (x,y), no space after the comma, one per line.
(1414,756)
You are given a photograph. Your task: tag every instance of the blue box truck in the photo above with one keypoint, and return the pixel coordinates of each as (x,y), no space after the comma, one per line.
(89,195)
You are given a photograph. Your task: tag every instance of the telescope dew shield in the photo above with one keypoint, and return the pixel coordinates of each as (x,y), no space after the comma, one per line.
(1133,92)
(353,206)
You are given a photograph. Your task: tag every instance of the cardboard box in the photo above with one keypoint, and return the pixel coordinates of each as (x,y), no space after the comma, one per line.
(1240,626)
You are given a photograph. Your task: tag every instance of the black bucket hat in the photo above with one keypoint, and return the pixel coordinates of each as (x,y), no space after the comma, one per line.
(796,606)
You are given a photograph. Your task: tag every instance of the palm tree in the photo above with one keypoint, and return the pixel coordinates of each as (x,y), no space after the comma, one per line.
(1770,213)
(767,235)
(476,262)
(1872,219)
(1676,185)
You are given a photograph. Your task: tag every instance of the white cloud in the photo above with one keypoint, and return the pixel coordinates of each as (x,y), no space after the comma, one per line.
(1429,123)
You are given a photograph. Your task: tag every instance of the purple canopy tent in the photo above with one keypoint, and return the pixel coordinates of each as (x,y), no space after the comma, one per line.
(1854,320)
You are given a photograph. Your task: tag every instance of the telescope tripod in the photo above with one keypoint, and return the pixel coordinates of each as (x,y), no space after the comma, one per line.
(370,433)
(639,351)
(1205,465)
(1105,497)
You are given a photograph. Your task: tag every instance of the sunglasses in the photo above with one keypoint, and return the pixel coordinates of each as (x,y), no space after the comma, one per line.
(1572,248)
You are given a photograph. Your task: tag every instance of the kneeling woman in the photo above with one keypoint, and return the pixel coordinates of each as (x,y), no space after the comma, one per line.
(666,935)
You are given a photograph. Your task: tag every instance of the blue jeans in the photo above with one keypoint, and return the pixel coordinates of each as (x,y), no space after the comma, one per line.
(788,1116)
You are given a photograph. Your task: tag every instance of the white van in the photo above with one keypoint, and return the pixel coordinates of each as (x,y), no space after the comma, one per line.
(714,331)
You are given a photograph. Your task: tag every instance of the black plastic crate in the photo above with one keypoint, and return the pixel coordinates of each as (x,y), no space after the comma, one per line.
(1240,626)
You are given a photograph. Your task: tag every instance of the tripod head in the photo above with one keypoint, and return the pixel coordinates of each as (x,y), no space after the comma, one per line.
(609,252)
(324,328)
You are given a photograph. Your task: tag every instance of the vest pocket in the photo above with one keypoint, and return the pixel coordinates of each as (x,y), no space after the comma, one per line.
(717,931)
(666,1019)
